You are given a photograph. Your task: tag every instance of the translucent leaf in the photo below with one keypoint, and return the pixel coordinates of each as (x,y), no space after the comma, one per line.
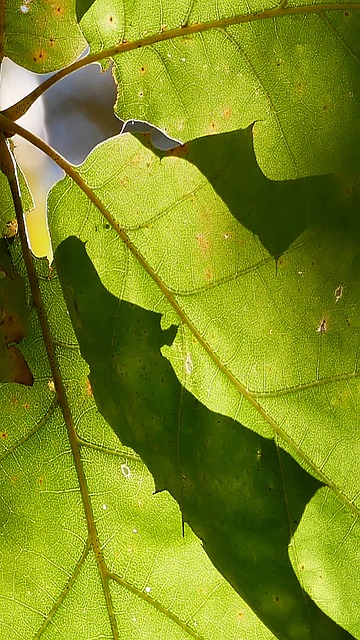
(225,478)
(42,36)
(273,345)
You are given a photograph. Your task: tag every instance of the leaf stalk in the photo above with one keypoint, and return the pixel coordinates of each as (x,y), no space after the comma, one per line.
(8,167)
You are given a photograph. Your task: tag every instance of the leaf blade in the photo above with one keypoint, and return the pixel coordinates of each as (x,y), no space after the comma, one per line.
(220,76)
(50,580)
(188,209)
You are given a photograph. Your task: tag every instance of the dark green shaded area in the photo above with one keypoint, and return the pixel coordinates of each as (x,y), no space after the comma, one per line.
(13,322)
(82,6)
(241,494)
(277,212)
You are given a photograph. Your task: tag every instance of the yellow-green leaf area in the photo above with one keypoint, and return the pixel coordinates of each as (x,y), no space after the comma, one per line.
(105,558)
(270,339)
(41,35)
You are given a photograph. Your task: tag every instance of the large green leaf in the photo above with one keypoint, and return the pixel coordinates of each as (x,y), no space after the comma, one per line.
(225,478)
(294,70)
(272,345)
(86,549)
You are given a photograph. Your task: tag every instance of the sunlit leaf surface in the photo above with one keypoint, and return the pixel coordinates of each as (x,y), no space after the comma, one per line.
(223,346)
(295,72)
(149,580)
(273,344)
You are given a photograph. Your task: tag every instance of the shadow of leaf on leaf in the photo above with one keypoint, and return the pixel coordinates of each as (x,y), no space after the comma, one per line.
(240,493)
(277,212)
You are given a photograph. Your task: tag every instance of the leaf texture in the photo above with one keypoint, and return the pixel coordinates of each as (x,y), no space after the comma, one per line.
(103,558)
(292,70)
(220,473)
(272,345)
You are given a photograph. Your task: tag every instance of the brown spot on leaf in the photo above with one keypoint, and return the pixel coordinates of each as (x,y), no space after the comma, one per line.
(58,10)
(4,435)
(40,55)
(11,229)
(203,242)
(227,113)
(208,274)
